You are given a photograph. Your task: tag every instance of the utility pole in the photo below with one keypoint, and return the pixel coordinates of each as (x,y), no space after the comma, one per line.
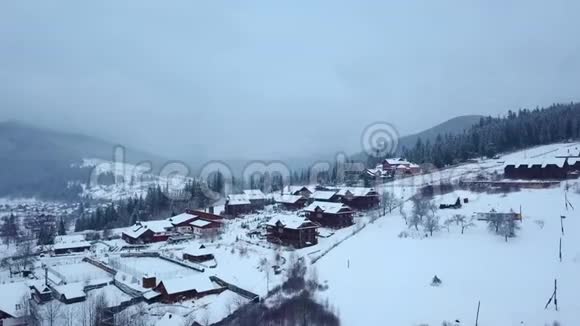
(477,316)
(560,249)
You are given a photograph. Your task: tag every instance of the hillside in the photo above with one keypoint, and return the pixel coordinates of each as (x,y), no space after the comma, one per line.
(40,162)
(453,126)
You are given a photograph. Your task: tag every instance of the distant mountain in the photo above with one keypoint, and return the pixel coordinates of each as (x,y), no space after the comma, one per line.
(40,162)
(452,126)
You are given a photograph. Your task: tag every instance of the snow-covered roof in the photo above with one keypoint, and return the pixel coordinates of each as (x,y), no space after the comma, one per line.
(181,218)
(140,228)
(71,291)
(287,199)
(238,199)
(255,194)
(356,191)
(71,245)
(12,294)
(291,222)
(199,282)
(323,194)
(326,207)
(397,161)
(200,223)
(544,161)
(296,189)
(69,238)
(197,252)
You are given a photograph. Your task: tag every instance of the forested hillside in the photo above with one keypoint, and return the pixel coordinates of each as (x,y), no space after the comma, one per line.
(490,136)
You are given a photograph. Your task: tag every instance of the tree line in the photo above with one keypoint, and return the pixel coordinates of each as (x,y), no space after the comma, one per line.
(516,130)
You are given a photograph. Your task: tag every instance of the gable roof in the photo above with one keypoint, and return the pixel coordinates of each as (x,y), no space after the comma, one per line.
(71,291)
(287,199)
(357,191)
(197,282)
(159,226)
(291,222)
(254,194)
(323,194)
(297,189)
(326,207)
(181,218)
(238,199)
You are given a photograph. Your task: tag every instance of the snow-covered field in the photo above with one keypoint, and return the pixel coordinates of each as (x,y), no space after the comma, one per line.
(377,278)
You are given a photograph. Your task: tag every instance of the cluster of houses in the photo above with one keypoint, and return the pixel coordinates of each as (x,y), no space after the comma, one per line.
(191,222)
(391,168)
(320,207)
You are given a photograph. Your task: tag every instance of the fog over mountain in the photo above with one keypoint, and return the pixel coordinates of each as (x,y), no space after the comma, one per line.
(260,79)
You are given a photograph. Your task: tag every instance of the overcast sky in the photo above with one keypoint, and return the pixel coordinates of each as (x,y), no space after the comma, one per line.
(267,79)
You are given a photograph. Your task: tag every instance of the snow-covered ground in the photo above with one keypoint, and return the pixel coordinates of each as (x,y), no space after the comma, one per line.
(377,277)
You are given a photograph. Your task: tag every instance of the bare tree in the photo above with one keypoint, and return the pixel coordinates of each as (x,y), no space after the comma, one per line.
(421,209)
(467,224)
(508,228)
(52,312)
(431,222)
(388,202)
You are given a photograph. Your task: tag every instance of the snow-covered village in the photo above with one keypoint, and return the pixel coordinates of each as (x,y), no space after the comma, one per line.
(298,163)
(496,233)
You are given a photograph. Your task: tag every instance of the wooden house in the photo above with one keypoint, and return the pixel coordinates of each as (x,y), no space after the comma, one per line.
(304,191)
(198,256)
(181,222)
(290,202)
(237,204)
(359,197)
(206,227)
(334,215)
(294,231)
(325,195)
(148,232)
(186,288)
(257,198)
(399,166)
(73,247)
(70,293)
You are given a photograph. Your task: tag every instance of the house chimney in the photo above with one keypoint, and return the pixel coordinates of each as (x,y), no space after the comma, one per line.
(211,209)
(149,281)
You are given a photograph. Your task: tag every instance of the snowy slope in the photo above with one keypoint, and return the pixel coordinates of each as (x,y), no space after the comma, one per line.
(388,281)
